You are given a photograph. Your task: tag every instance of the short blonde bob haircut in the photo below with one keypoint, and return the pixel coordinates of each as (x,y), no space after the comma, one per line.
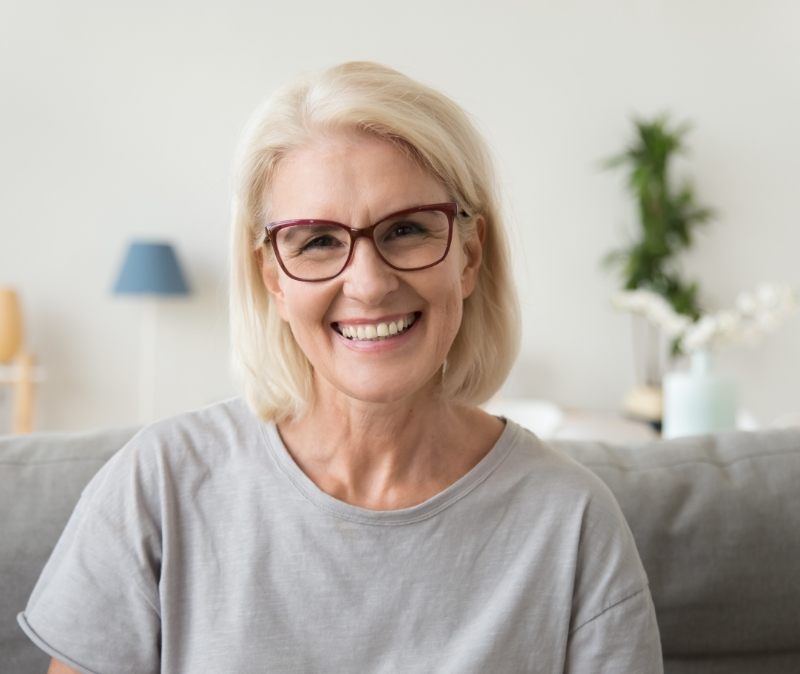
(276,376)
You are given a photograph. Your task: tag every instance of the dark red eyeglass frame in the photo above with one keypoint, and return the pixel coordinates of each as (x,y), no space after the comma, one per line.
(450,209)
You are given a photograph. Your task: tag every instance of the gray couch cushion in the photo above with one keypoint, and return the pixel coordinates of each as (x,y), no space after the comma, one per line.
(717,523)
(41,478)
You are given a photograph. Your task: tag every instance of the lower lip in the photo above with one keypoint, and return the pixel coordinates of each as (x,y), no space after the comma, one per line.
(379,345)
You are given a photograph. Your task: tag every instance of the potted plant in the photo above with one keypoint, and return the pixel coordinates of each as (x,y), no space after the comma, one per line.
(698,400)
(668,218)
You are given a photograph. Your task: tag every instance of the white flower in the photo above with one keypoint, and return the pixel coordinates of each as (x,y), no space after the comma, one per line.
(746,303)
(788,300)
(728,323)
(767,294)
(654,308)
(700,335)
(756,313)
(677,325)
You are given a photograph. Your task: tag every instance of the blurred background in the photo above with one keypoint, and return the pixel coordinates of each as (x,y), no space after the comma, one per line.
(119,121)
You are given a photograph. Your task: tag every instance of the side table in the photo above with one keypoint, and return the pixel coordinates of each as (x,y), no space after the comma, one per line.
(22,375)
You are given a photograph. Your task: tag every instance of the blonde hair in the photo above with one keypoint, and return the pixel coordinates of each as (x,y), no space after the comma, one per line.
(275,374)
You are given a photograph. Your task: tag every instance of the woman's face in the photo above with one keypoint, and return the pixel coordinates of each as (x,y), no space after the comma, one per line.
(356,179)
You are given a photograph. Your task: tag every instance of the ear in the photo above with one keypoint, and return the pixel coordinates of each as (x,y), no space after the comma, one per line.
(472,256)
(270,276)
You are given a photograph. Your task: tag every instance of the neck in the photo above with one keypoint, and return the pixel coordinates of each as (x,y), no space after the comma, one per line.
(388,456)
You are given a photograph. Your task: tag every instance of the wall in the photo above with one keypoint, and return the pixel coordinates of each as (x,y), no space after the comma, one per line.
(120,120)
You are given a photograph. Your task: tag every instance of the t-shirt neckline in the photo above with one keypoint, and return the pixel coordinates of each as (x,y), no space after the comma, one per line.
(428,508)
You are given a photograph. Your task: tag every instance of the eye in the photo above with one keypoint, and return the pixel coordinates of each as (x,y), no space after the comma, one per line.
(406,228)
(299,240)
(323,241)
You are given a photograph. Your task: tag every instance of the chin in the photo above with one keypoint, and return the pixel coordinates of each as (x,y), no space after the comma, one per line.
(369,392)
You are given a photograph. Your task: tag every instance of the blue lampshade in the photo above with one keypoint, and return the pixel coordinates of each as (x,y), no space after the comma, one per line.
(151,268)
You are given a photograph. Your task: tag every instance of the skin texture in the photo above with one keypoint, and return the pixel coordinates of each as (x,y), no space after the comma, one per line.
(378,435)
(58,667)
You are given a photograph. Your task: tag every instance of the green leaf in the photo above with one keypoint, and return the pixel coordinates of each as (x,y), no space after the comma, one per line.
(668,216)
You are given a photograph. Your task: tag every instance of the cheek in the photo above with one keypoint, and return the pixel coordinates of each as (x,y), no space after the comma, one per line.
(294,308)
(452,310)
(299,304)
(305,308)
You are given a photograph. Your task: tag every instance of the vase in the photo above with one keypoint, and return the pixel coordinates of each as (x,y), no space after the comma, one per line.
(644,401)
(10,325)
(698,401)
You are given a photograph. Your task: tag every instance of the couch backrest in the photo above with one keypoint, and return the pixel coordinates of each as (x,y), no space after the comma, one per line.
(41,479)
(717,523)
(716,520)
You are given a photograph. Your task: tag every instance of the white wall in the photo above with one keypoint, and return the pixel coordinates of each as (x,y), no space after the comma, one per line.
(120,119)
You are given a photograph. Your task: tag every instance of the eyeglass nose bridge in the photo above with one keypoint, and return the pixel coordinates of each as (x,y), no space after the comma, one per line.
(367,233)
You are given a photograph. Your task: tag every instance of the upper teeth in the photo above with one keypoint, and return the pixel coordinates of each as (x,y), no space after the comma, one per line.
(376,330)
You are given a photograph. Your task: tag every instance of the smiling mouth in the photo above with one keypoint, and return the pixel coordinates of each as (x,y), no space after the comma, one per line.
(375,332)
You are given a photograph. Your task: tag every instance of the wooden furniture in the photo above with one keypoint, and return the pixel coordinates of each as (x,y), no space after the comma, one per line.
(21,375)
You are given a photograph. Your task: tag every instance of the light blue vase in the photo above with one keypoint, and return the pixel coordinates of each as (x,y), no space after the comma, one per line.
(698,401)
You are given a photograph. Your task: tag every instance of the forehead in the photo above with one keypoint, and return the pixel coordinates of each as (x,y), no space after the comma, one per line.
(349,176)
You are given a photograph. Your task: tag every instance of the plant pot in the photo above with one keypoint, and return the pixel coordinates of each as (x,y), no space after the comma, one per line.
(698,401)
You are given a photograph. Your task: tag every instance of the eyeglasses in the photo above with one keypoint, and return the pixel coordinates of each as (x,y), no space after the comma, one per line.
(319,250)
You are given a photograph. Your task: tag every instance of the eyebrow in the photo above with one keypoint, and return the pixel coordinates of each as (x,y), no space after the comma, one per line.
(391,214)
(308,227)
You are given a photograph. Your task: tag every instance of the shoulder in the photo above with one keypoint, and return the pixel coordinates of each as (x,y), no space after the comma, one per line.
(179,448)
(587,516)
(224,423)
(551,474)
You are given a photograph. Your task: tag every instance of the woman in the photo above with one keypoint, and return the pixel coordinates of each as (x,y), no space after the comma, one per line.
(358,513)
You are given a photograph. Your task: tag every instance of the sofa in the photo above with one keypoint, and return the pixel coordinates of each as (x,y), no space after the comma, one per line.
(716,519)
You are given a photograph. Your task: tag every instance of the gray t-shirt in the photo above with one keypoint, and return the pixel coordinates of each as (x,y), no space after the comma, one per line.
(202,547)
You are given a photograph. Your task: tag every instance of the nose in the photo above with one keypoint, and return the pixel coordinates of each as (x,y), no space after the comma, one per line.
(367,278)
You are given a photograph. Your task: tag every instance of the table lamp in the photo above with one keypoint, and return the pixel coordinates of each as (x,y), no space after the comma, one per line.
(150,271)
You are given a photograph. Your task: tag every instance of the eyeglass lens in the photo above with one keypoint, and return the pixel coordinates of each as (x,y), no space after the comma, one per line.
(312,251)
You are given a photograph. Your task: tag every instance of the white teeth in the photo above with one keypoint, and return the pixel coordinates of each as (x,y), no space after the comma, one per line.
(377,331)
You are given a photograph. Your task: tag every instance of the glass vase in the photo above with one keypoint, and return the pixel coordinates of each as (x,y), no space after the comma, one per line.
(698,401)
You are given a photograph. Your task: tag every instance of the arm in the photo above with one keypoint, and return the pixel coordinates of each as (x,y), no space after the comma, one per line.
(613,626)
(623,638)
(97,596)
(58,667)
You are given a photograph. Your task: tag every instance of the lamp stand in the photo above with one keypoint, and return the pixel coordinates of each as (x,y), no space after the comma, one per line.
(23,394)
(147,364)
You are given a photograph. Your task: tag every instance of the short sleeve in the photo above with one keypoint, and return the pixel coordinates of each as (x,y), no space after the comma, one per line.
(623,639)
(614,626)
(96,604)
